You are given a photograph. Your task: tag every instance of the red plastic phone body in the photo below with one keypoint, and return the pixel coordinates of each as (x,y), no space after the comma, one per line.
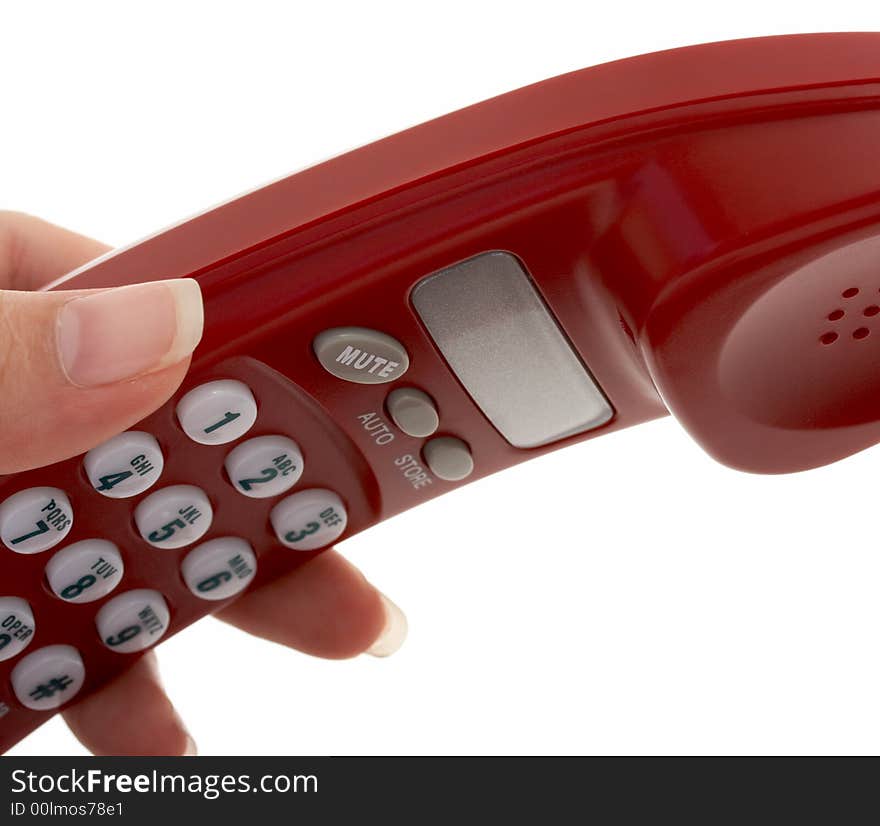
(691,218)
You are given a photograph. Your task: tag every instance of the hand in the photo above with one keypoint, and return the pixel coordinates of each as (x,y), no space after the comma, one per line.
(71,374)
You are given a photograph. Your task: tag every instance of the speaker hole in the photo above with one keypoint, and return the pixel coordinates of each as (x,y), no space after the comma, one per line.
(862,332)
(836,315)
(828,338)
(852,292)
(872,310)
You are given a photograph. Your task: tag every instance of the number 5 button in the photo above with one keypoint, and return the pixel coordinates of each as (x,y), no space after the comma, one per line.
(124,466)
(174,516)
(217,412)
(265,466)
(309,519)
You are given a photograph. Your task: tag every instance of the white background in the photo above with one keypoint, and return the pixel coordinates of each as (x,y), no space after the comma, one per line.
(623,596)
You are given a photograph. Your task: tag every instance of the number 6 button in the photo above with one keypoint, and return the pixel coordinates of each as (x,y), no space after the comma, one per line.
(309,519)
(217,412)
(265,466)
(174,516)
(220,568)
(133,621)
(35,519)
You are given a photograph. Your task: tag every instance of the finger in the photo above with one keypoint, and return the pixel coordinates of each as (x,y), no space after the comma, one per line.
(34,252)
(130,715)
(68,358)
(326,608)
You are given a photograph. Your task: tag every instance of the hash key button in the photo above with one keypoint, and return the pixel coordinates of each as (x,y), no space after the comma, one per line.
(125,465)
(35,519)
(48,677)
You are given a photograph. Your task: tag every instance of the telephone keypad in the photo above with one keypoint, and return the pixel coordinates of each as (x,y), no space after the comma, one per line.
(126,465)
(85,571)
(35,519)
(174,516)
(265,466)
(49,677)
(309,519)
(133,621)
(220,568)
(16,626)
(217,412)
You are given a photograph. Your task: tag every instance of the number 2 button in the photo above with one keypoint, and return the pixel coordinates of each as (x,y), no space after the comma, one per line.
(217,412)
(265,466)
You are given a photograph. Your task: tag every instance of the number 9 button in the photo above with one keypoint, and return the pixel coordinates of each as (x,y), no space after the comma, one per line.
(309,519)
(133,621)
(85,571)
(265,466)
(219,568)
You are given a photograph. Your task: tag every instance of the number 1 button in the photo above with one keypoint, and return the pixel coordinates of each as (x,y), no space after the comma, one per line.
(217,412)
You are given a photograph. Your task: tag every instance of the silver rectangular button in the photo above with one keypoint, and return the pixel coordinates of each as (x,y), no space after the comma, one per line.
(499,338)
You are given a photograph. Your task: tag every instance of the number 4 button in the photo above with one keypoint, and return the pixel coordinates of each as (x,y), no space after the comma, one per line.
(218,412)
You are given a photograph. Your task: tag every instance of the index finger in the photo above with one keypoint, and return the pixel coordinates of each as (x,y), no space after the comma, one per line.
(34,252)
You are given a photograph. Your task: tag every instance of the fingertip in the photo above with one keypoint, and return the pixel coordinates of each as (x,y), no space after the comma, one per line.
(106,722)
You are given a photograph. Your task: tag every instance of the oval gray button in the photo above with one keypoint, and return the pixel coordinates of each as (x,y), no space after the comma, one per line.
(448,458)
(361,355)
(413,411)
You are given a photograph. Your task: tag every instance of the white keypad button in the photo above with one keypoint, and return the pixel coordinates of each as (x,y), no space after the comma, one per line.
(124,466)
(35,519)
(220,568)
(133,621)
(174,516)
(85,571)
(265,466)
(309,519)
(49,677)
(16,626)
(217,412)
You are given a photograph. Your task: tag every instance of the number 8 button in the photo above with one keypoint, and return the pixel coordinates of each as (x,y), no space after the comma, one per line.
(174,516)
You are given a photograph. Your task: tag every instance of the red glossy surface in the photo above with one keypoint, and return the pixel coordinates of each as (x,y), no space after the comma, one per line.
(667,207)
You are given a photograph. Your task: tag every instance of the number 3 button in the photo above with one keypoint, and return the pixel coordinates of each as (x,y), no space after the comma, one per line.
(174,516)
(309,519)
(265,466)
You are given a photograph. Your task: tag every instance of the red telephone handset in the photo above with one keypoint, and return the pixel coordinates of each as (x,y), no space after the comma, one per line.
(700,226)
